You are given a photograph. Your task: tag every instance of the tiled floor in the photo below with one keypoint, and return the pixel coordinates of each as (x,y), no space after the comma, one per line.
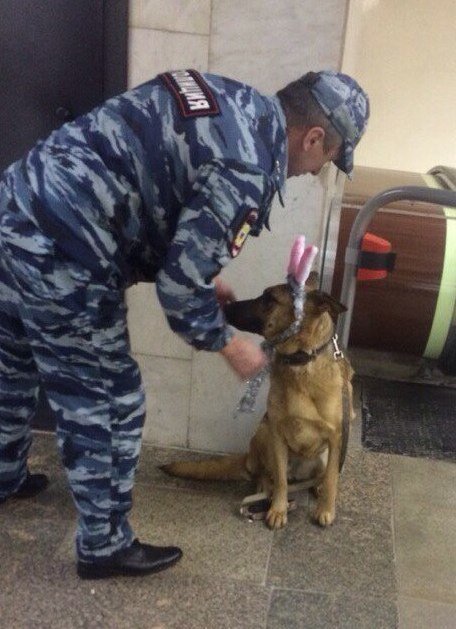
(389,560)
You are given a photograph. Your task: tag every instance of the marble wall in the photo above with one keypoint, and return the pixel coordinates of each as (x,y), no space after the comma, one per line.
(191,395)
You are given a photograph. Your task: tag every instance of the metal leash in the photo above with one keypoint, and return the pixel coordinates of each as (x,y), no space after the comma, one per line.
(253,385)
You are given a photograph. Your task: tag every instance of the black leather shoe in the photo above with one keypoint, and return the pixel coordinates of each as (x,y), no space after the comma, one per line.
(137,559)
(33,485)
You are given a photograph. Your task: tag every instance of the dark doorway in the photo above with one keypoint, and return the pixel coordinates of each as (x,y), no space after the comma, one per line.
(58,60)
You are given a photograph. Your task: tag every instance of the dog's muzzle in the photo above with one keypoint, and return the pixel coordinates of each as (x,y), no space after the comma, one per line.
(243,315)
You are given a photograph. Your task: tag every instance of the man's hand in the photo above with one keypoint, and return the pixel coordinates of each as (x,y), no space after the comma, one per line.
(244,357)
(223,292)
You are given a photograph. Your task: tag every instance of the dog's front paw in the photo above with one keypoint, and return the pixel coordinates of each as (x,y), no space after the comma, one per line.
(323,515)
(276,518)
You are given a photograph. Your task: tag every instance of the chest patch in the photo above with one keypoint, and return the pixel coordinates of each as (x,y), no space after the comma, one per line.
(191,93)
(242,233)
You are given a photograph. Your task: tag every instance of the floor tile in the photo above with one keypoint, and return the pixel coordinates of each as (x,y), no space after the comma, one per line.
(425,527)
(420,482)
(214,538)
(419,614)
(365,484)
(56,598)
(361,612)
(354,555)
(29,541)
(51,596)
(194,603)
(8,579)
(425,546)
(294,609)
(237,574)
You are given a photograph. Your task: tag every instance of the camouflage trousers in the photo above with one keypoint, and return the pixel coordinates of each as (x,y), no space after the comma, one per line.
(62,328)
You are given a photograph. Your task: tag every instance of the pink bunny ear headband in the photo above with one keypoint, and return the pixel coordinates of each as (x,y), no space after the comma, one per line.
(301,260)
(299,266)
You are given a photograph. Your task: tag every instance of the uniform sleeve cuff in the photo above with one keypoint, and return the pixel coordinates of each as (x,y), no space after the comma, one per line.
(217,343)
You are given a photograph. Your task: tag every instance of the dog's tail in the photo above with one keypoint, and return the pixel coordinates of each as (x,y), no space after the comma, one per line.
(230,467)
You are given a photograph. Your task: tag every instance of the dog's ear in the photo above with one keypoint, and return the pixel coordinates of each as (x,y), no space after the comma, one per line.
(326,303)
(312,281)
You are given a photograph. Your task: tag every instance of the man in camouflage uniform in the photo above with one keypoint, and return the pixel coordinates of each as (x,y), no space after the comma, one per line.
(162,183)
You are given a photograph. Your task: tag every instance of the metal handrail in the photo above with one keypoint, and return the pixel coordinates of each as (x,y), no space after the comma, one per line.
(446,198)
(445,175)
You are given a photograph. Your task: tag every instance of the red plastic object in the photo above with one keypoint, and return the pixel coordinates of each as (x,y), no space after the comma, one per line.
(373,244)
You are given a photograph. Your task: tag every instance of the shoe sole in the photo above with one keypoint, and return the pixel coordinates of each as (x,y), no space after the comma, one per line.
(104,572)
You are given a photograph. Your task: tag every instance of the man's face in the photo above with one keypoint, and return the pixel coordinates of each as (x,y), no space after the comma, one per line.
(306,152)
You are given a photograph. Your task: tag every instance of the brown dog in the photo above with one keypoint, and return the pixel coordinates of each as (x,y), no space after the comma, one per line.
(304,417)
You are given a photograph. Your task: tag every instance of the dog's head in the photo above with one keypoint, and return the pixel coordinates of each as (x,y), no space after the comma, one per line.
(273,312)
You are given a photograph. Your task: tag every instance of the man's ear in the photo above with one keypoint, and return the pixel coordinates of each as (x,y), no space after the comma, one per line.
(312,136)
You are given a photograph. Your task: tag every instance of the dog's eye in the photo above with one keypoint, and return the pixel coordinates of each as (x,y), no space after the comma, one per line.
(269,298)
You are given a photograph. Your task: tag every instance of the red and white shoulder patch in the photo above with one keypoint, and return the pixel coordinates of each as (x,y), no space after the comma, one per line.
(242,233)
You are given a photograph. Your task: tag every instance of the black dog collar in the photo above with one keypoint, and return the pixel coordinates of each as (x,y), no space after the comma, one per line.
(302,357)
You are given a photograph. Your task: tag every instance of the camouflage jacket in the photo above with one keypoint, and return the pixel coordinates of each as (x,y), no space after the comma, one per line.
(161,183)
